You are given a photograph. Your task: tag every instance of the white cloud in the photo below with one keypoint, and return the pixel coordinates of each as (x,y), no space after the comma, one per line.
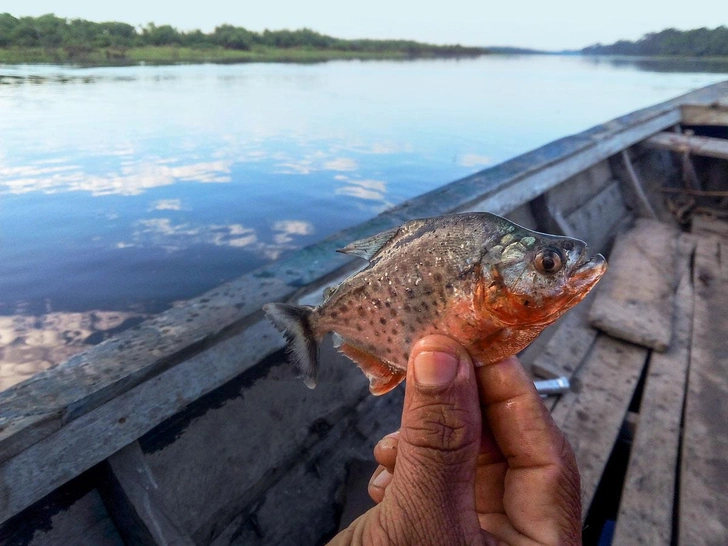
(167,204)
(341,164)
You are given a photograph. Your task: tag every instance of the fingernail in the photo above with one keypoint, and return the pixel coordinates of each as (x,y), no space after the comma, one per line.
(435,369)
(381,480)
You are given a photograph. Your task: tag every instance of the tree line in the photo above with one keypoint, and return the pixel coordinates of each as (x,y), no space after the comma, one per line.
(701,42)
(52,32)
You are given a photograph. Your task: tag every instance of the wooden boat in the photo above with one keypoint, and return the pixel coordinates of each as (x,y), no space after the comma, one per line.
(191,429)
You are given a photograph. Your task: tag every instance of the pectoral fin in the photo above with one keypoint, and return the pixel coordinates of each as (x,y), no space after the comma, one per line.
(382,376)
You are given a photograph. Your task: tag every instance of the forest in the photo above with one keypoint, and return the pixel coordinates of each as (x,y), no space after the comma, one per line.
(77,39)
(701,42)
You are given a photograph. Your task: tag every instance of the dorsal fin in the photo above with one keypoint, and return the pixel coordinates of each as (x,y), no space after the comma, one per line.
(328,292)
(368,248)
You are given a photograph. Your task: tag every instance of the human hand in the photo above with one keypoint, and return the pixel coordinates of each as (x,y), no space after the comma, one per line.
(478,460)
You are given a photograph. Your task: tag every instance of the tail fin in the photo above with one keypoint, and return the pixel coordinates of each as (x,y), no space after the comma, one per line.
(293,321)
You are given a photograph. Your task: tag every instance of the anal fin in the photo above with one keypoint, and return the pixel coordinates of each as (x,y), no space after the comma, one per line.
(382,377)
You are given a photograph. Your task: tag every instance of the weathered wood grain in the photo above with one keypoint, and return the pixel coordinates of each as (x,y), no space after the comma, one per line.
(91,438)
(635,298)
(533,183)
(703,225)
(636,185)
(648,496)
(704,470)
(595,222)
(698,114)
(697,145)
(139,511)
(592,415)
(210,464)
(303,507)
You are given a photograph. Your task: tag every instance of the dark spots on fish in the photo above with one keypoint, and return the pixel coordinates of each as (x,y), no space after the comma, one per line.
(376,303)
(410,293)
(408,340)
(371,323)
(406,308)
(358,327)
(401,322)
(393,312)
(387,304)
(333,314)
(389,340)
(362,312)
(449,286)
(526,303)
(343,308)
(394,331)
(405,355)
(346,321)
(376,334)
(389,351)
(411,330)
(383,320)
(392,292)
(437,277)
(425,306)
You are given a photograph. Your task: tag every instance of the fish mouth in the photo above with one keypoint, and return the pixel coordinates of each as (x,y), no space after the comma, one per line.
(589,268)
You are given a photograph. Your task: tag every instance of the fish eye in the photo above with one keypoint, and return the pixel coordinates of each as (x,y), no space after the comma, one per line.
(549,260)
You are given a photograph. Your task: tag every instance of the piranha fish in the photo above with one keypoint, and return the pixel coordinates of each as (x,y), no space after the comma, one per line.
(478,278)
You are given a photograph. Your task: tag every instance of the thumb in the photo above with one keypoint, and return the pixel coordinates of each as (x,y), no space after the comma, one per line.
(440,433)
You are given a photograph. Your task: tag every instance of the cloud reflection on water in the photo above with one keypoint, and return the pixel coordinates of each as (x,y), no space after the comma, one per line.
(176,237)
(131,179)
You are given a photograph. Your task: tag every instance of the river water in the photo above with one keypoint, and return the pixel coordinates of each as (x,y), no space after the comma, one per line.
(123,190)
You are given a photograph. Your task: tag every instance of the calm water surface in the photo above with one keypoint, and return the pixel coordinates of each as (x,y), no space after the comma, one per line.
(125,189)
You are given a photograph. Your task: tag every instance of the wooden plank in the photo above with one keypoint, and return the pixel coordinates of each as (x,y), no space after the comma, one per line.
(636,184)
(698,114)
(635,298)
(139,510)
(596,219)
(704,471)
(304,505)
(703,225)
(591,415)
(647,503)
(697,145)
(91,438)
(532,184)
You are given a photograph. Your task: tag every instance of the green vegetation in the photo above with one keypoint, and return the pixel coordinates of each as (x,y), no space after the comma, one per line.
(53,39)
(701,42)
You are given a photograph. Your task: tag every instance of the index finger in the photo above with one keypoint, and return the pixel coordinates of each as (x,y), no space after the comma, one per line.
(522,426)
(542,494)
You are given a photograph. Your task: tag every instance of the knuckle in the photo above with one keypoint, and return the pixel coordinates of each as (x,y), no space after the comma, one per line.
(440,430)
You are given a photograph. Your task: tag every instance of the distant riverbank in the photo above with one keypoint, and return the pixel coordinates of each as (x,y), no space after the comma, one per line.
(55,40)
(161,55)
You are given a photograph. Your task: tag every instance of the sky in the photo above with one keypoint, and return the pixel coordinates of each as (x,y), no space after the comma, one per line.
(540,24)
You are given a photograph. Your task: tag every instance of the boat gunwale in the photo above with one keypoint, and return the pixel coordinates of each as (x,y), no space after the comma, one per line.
(32,412)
